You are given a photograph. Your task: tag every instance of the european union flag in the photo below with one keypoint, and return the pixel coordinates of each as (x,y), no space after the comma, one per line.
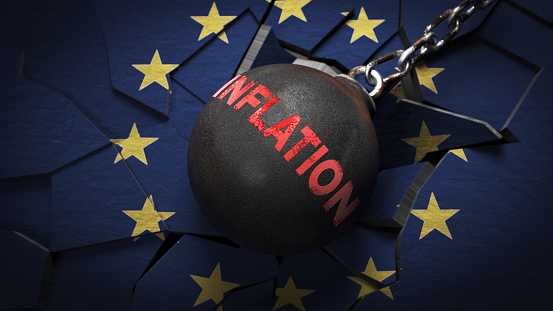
(408,131)
(98,102)
(88,200)
(63,48)
(146,41)
(371,25)
(304,280)
(304,24)
(203,273)
(462,226)
(363,245)
(218,60)
(157,158)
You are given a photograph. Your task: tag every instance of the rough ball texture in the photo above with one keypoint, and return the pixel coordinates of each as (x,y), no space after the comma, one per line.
(252,192)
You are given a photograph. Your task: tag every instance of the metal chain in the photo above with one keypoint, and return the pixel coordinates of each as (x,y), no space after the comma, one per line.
(427,44)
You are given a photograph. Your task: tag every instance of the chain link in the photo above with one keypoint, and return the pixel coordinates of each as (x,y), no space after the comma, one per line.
(427,44)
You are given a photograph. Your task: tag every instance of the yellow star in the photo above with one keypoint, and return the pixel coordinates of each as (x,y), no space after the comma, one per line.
(213,287)
(363,26)
(366,287)
(289,294)
(133,146)
(460,153)
(398,92)
(425,143)
(148,219)
(155,72)
(426,74)
(291,8)
(434,218)
(213,23)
